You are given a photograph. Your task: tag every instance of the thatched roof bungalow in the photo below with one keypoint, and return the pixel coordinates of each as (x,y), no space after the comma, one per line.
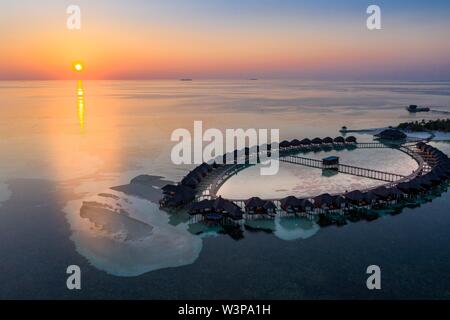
(420,145)
(435,180)
(306,205)
(387,194)
(201,207)
(327,201)
(255,205)
(180,198)
(291,204)
(170,189)
(270,207)
(316,141)
(190,181)
(395,193)
(409,187)
(355,197)
(216,209)
(227,207)
(339,140)
(425,182)
(350,139)
(284,144)
(370,197)
(327,140)
(305,142)
(439,173)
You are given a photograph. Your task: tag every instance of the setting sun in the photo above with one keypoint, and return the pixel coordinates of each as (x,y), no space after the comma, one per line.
(78,67)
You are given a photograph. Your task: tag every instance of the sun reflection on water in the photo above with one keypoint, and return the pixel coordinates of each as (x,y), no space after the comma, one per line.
(80,104)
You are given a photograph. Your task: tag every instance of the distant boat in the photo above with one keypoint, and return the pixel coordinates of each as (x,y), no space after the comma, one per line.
(415,108)
(186,79)
(253,79)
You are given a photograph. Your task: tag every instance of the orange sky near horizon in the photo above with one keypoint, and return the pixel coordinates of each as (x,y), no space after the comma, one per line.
(43,48)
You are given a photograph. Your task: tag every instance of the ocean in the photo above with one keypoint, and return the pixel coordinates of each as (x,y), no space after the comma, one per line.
(68,142)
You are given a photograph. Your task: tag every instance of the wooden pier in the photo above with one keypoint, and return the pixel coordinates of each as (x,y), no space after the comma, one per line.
(343,168)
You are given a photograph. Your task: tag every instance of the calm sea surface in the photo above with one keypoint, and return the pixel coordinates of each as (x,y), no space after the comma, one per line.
(66,142)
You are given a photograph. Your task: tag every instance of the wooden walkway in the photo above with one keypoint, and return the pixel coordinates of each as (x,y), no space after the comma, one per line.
(343,168)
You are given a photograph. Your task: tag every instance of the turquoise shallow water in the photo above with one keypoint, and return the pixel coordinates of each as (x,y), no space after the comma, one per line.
(58,152)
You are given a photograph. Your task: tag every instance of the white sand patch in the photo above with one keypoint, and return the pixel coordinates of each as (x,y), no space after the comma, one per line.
(129,236)
(295,228)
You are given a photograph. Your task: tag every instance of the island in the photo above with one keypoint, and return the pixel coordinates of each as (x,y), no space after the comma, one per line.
(442,125)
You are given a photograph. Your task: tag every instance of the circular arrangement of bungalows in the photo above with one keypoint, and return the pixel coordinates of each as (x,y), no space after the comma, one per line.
(175,196)
(216,209)
(316,142)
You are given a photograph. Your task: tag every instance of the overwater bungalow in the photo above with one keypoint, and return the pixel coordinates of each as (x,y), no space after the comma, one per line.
(305,142)
(291,204)
(216,209)
(435,180)
(201,207)
(444,168)
(387,194)
(255,205)
(420,145)
(440,173)
(190,181)
(285,144)
(170,189)
(227,208)
(174,189)
(355,197)
(395,193)
(370,197)
(350,139)
(306,205)
(338,202)
(323,201)
(339,140)
(316,141)
(198,174)
(327,140)
(205,168)
(270,207)
(179,198)
(409,187)
(295,143)
(327,201)
(425,182)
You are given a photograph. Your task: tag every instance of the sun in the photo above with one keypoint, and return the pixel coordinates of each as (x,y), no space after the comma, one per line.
(78,66)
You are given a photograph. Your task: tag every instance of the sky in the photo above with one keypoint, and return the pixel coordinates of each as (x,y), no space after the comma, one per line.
(310,39)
